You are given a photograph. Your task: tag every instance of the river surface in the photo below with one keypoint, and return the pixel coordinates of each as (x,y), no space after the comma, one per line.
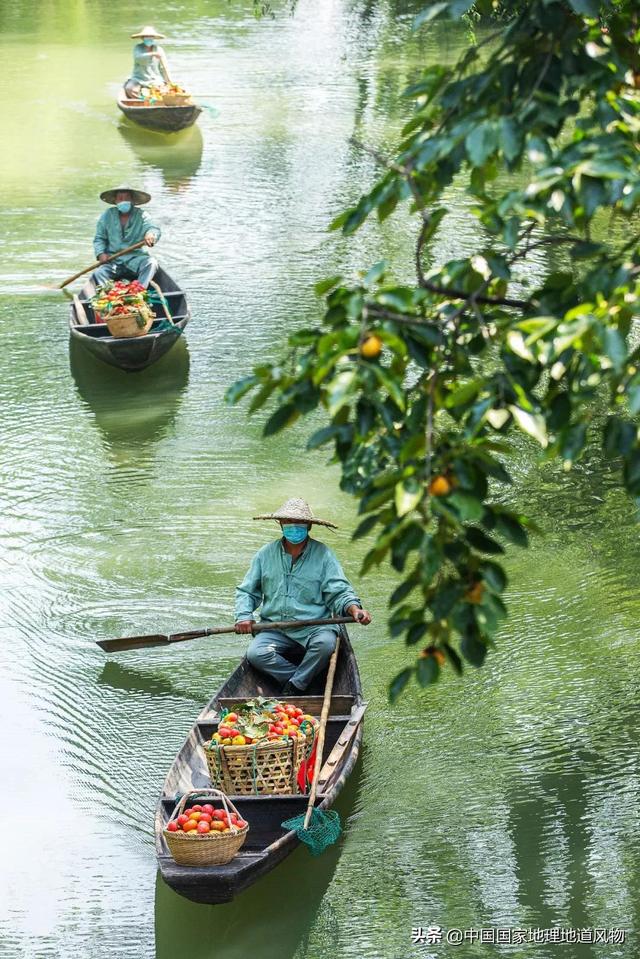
(509,799)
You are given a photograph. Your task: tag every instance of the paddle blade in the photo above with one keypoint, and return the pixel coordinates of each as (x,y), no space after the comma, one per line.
(132,642)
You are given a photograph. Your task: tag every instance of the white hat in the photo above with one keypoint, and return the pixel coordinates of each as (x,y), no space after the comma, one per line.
(149,31)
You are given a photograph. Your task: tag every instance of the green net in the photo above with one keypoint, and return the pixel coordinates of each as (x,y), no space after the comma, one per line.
(324,829)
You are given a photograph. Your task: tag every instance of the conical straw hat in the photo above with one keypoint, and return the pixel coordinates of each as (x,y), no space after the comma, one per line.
(296,511)
(138,197)
(149,31)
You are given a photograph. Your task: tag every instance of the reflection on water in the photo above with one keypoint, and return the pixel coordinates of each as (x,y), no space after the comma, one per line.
(120,677)
(271,919)
(177,156)
(131,409)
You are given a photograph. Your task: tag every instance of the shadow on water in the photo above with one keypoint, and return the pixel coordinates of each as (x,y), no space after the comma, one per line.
(271,919)
(131,409)
(177,156)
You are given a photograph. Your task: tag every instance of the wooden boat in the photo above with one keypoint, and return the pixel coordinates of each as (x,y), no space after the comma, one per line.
(131,353)
(159,117)
(267,842)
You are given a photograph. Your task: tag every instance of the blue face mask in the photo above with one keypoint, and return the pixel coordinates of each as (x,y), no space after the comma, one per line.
(149,42)
(124,206)
(295,533)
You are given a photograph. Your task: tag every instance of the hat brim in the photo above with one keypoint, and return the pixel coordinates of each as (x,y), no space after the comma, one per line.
(138,197)
(149,36)
(298,519)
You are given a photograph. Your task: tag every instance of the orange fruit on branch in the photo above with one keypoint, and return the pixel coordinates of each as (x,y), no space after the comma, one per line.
(440,486)
(371,347)
(474,594)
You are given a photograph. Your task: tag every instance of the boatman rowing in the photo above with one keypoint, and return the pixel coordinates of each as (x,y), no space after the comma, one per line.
(119,227)
(295,577)
(150,66)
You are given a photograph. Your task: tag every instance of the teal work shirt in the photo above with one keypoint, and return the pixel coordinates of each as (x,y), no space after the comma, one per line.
(312,587)
(147,68)
(111,237)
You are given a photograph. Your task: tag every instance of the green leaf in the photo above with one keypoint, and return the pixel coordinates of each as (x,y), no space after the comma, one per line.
(494,575)
(481,142)
(412,449)
(615,347)
(397,685)
(392,386)
(397,298)
(473,650)
(633,392)
(511,529)
(403,590)
(376,273)
(407,499)
(282,417)
(322,436)
(573,441)
(560,412)
(631,472)
(238,389)
(431,558)
(469,508)
(619,436)
(340,390)
(464,394)
(325,285)
(446,598)
(531,423)
(586,8)
(365,526)
(511,138)
(482,542)
(416,633)
(453,658)
(427,670)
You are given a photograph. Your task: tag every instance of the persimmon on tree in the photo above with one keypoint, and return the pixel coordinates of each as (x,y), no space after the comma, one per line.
(471,351)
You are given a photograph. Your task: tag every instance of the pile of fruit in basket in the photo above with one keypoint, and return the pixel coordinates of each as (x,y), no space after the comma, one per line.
(199,820)
(260,720)
(121,298)
(155,94)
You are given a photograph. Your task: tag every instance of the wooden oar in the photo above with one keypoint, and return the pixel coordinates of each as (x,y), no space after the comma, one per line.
(157,639)
(324,715)
(319,828)
(94,266)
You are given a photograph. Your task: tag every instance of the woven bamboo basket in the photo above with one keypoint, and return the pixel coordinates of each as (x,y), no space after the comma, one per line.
(126,325)
(261,768)
(212,848)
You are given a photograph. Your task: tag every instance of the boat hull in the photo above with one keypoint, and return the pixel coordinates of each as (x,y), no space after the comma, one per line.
(130,354)
(162,119)
(268,844)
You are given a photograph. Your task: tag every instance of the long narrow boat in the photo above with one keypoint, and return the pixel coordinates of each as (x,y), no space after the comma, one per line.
(159,117)
(130,353)
(267,842)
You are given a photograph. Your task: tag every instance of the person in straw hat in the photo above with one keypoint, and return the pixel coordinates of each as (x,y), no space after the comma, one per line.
(150,66)
(123,225)
(295,577)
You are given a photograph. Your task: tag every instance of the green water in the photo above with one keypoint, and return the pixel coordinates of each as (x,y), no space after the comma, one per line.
(509,799)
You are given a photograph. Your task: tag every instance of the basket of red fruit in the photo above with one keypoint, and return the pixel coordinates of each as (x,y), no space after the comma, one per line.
(205,829)
(259,747)
(124,306)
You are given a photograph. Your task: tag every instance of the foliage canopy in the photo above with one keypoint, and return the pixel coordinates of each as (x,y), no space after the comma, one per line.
(423,383)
